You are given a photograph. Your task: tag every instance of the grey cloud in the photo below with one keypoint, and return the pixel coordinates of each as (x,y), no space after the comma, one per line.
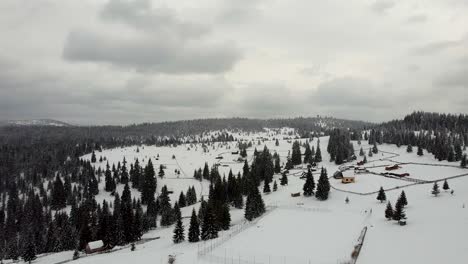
(456,78)
(151,54)
(349,91)
(239,11)
(162,43)
(435,47)
(382,6)
(420,18)
(141,15)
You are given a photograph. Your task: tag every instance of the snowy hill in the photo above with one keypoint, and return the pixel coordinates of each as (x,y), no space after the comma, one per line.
(34,122)
(303,229)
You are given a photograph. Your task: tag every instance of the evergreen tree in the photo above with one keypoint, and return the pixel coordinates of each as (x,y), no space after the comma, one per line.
(381,196)
(445,186)
(409,149)
(403,199)
(149,184)
(463,162)
(209,229)
(420,151)
(435,189)
(58,194)
(224,217)
(182,200)
(93,157)
(307,153)
(375,150)
(389,211)
(399,213)
(309,184)
(323,186)
(361,152)
(275,186)
(194,229)
(179,235)
(318,153)
(266,187)
(284,179)
(254,206)
(29,253)
(161,171)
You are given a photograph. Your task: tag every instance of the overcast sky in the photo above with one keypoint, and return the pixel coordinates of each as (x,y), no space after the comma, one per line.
(129,61)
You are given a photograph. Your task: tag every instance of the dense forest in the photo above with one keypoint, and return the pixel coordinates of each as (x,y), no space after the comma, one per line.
(443,135)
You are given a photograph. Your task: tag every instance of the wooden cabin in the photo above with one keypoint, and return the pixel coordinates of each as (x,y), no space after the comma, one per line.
(347,179)
(95,246)
(295,194)
(394,167)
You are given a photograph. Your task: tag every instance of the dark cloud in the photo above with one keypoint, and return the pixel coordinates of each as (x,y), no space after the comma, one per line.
(166,45)
(382,6)
(151,54)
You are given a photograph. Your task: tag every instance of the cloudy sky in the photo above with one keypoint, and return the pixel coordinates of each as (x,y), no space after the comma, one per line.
(129,61)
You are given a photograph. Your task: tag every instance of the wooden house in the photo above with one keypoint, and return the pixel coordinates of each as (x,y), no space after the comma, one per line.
(347,179)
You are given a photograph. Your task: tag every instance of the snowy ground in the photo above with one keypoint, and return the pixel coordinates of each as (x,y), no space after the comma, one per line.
(302,229)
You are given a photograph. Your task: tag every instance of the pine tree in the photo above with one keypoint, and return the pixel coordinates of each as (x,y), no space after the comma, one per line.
(29,253)
(445,186)
(179,235)
(409,149)
(254,206)
(149,184)
(420,151)
(161,171)
(381,196)
(435,189)
(224,217)
(209,229)
(309,184)
(318,153)
(266,187)
(375,150)
(323,186)
(194,229)
(361,152)
(284,179)
(389,211)
(93,157)
(463,162)
(399,213)
(346,200)
(182,200)
(58,194)
(275,186)
(403,199)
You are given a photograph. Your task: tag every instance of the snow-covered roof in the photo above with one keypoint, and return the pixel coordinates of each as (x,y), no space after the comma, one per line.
(95,244)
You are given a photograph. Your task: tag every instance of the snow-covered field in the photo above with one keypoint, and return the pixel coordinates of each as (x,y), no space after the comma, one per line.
(303,229)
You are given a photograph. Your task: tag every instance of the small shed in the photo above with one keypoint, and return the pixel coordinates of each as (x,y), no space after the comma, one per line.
(95,246)
(295,194)
(338,175)
(347,179)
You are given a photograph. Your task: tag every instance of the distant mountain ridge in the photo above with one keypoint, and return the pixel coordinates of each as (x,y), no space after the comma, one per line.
(34,122)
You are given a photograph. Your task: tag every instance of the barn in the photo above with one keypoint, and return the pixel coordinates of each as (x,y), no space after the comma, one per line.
(95,246)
